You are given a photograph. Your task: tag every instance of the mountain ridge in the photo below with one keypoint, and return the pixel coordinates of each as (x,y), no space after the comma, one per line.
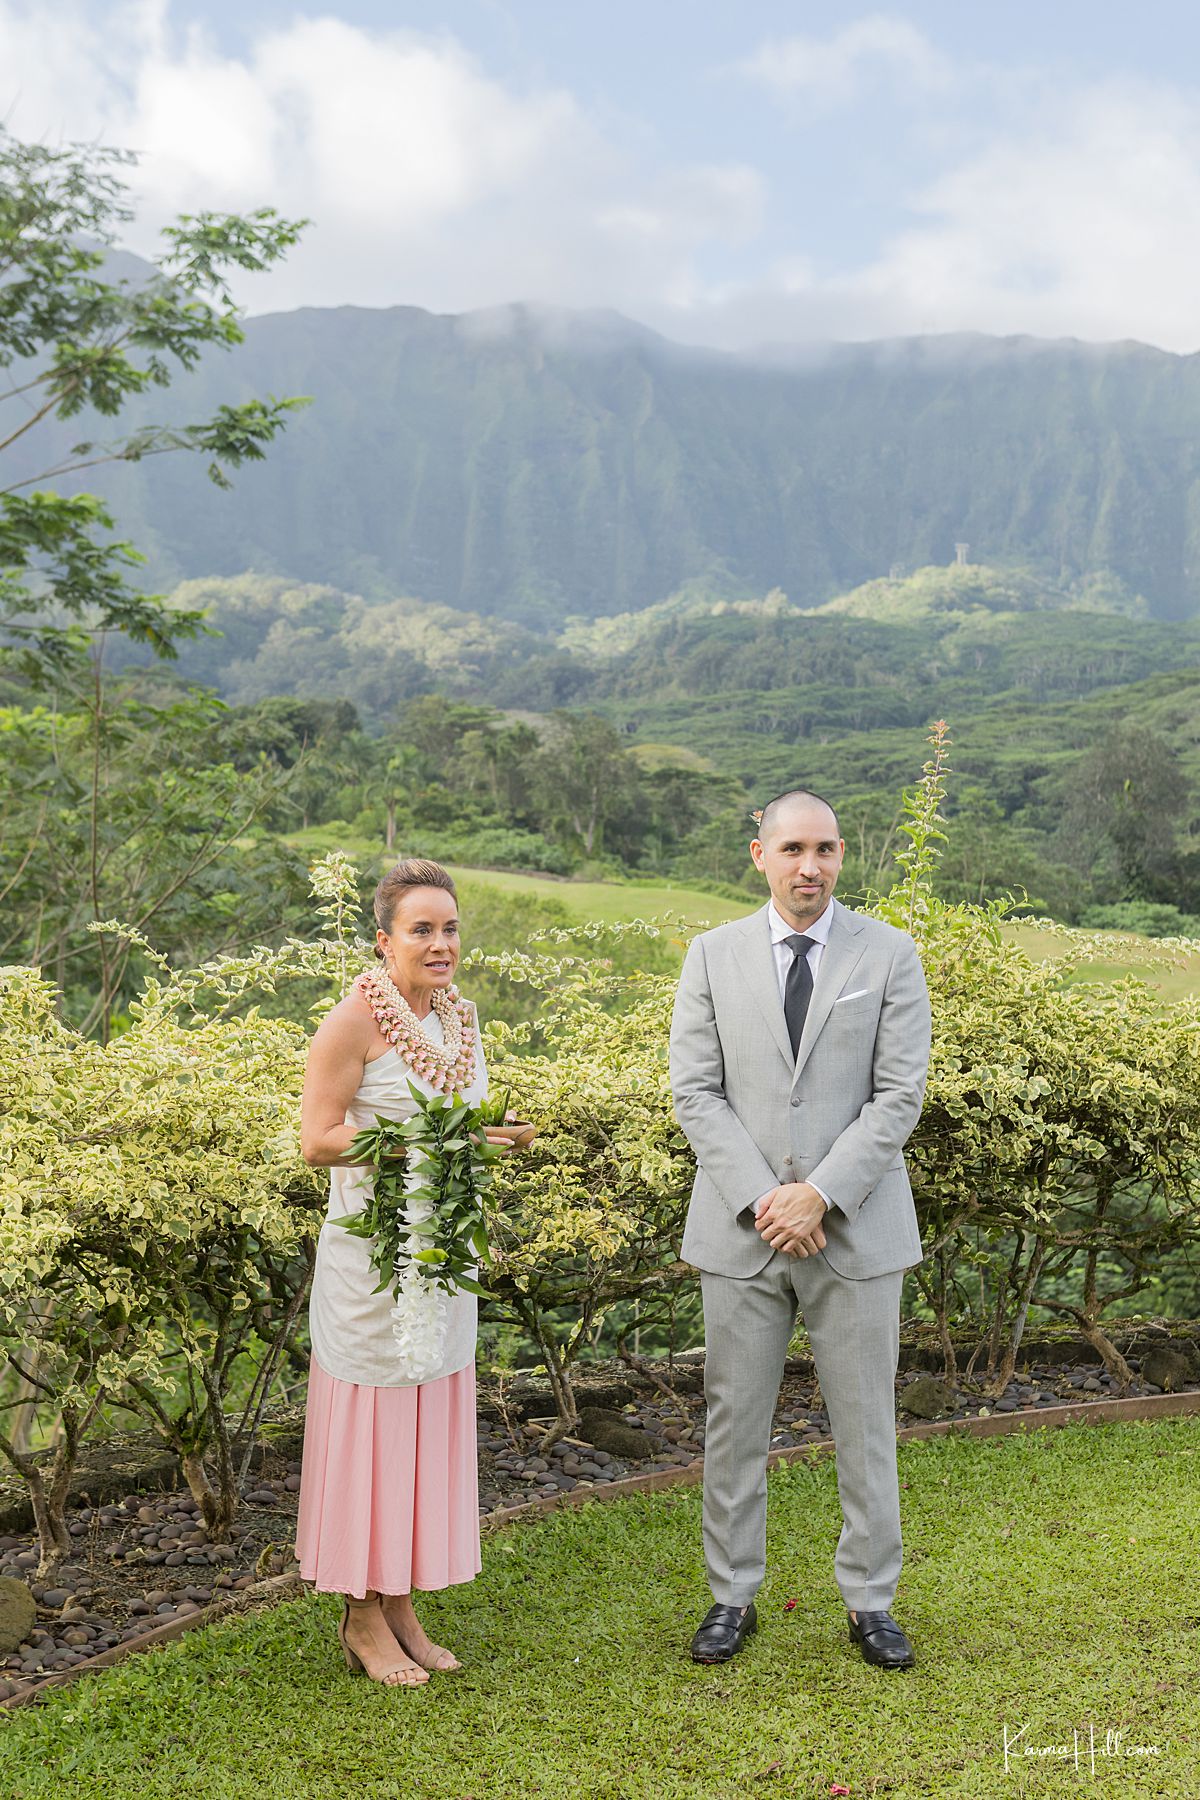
(534,464)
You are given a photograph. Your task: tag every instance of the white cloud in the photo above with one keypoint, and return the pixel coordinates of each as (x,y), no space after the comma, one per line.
(1080,225)
(1064,211)
(428,181)
(830,71)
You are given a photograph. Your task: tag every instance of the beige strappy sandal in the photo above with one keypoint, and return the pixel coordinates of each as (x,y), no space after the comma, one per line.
(433,1666)
(410,1672)
(439,1668)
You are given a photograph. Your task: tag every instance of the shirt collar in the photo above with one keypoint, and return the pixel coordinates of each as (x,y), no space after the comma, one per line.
(818,931)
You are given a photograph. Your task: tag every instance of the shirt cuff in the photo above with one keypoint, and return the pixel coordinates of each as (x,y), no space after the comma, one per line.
(823,1194)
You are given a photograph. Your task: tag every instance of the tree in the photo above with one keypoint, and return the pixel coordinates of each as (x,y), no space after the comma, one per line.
(76,341)
(494,761)
(127,807)
(116,797)
(1129,794)
(584,779)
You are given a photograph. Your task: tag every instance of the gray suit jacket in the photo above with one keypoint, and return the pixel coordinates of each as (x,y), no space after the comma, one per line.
(839,1115)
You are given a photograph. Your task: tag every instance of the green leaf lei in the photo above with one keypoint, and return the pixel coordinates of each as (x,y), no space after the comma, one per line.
(444,1145)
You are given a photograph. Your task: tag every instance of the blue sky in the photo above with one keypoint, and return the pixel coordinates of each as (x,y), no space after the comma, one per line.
(729,174)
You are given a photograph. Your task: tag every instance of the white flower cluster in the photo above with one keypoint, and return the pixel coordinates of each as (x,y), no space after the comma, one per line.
(419,1316)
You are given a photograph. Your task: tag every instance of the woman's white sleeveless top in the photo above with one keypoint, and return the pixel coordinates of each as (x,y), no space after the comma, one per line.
(351,1327)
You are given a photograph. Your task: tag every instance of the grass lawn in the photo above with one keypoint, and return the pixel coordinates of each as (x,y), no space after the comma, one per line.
(606,901)
(1049,1588)
(1173,982)
(609,901)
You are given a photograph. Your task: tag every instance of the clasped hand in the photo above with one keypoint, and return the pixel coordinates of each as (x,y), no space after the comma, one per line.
(790,1217)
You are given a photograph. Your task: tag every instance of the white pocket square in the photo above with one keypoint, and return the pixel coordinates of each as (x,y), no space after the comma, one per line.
(856,995)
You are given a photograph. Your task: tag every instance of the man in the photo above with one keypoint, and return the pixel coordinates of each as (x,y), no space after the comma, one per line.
(799,1050)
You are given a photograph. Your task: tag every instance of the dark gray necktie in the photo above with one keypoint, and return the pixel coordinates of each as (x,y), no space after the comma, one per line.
(798,991)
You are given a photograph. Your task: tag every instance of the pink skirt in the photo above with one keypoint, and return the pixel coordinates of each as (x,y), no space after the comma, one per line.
(389,1491)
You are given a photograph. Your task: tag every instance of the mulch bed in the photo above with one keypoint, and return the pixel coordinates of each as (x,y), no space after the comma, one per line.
(144,1560)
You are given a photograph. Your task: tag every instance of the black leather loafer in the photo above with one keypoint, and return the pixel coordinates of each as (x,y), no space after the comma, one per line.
(881,1640)
(723,1632)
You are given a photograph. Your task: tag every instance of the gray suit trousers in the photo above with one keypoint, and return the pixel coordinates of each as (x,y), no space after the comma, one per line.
(854,1328)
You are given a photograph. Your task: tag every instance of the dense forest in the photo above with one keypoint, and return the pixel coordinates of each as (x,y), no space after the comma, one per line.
(640,743)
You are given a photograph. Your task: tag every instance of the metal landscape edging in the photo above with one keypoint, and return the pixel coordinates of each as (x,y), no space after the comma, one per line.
(276,1588)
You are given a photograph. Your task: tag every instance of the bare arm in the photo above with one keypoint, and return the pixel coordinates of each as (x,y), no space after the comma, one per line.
(332,1077)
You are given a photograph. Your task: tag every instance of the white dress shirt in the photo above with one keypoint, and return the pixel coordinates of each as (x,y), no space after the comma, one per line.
(818,931)
(781,931)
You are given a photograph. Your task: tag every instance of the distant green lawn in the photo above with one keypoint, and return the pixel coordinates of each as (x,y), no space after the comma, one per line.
(610,901)
(1050,1587)
(1173,983)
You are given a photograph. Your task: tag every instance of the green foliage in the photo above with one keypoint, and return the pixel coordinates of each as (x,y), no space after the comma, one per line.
(492,847)
(438,1162)
(156,1214)
(1061,1126)
(127,806)
(765,694)
(590,1216)
(973,590)
(117,800)
(1144,918)
(1125,796)
(77,343)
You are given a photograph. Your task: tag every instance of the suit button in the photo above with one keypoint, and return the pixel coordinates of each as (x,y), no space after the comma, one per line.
(787,1162)
(795,1101)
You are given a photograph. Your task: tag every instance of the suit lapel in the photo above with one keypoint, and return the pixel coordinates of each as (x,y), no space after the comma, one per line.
(756,960)
(846,944)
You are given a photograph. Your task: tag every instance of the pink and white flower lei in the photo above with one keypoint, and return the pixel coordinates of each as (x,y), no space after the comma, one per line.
(449,1067)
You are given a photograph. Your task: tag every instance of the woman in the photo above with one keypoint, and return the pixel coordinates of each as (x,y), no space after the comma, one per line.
(389,1495)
